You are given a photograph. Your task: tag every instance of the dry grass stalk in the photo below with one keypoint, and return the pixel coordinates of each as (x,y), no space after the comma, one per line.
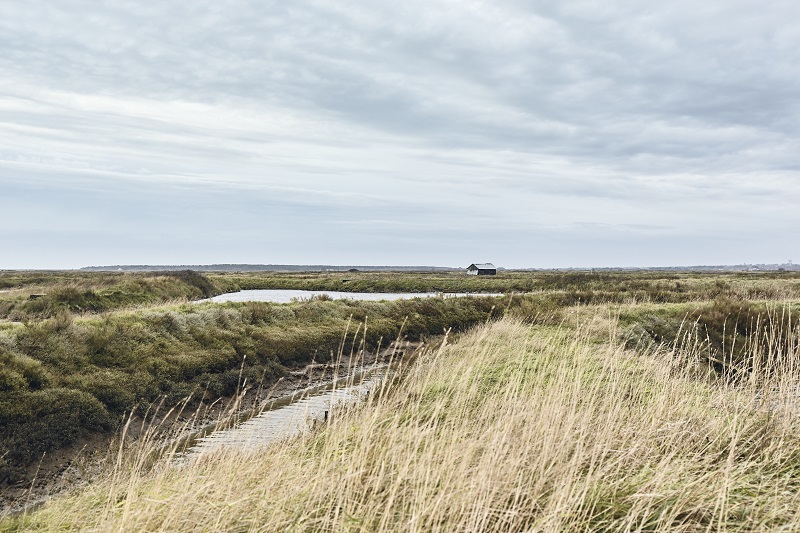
(513,428)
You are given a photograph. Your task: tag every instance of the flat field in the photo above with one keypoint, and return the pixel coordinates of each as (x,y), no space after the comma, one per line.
(578,401)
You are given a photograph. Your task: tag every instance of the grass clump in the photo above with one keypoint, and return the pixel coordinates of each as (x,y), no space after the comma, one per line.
(514,428)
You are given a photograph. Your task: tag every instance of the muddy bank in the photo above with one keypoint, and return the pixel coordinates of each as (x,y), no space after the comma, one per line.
(172,426)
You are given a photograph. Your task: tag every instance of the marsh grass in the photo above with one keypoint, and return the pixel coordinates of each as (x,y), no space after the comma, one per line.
(514,427)
(729,335)
(38,295)
(601,402)
(558,288)
(69,377)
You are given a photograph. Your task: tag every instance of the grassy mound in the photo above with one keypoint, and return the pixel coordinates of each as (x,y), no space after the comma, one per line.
(38,295)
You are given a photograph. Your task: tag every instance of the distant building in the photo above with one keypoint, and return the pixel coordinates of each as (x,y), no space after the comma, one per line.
(482,269)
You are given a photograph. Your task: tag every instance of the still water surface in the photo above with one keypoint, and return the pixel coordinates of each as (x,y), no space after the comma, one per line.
(282,296)
(290,416)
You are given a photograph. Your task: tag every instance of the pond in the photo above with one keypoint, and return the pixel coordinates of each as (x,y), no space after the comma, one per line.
(282,296)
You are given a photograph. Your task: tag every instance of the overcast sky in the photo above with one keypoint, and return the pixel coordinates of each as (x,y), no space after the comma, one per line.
(423,132)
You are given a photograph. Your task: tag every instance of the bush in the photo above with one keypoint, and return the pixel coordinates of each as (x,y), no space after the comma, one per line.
(205,286)
(32,423)
(728,333)
(14,367)
(116,390)
(11,381)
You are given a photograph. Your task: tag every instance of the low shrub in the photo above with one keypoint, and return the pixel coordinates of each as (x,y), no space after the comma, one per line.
(32,423)
(730,334)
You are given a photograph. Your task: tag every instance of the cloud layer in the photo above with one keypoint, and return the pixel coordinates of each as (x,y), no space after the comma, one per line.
(436,132)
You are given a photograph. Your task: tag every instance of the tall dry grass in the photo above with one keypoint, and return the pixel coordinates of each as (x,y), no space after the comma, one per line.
(512,428)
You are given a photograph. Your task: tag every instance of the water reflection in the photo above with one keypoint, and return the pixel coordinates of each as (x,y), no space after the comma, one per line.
(289,417)
(282,296)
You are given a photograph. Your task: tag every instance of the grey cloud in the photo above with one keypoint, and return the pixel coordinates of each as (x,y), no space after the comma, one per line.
(524,115)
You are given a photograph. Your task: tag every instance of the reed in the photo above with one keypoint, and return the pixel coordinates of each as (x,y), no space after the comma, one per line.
(514,427)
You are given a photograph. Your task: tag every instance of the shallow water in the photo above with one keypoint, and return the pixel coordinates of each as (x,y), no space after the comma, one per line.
(290,416)
(283,296)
